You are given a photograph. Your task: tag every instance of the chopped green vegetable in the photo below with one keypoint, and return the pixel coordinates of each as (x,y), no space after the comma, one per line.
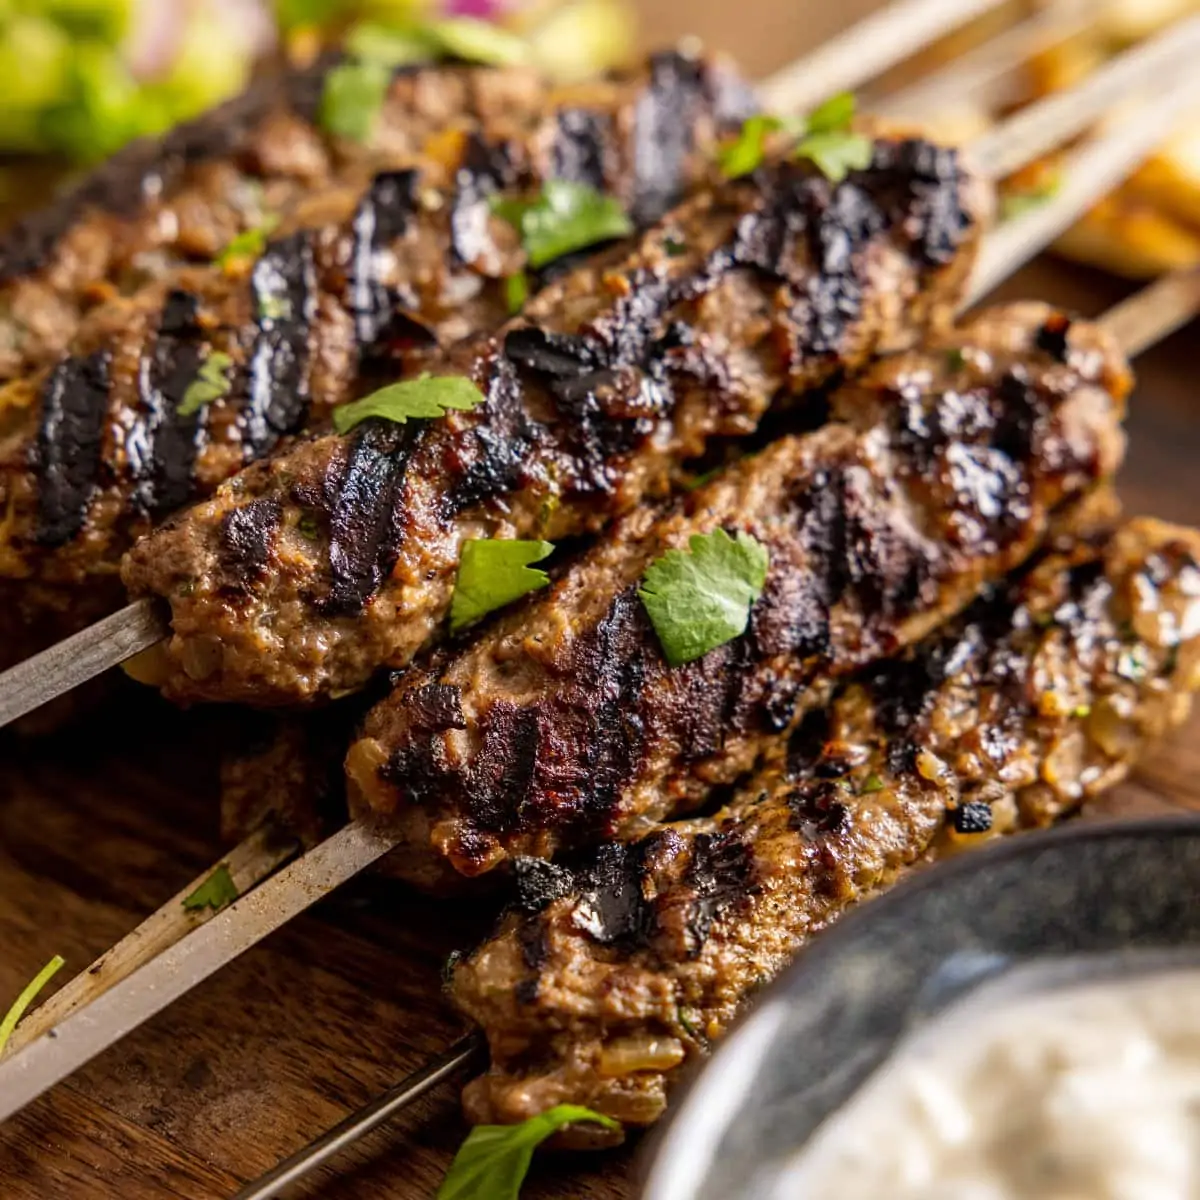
(836,154)
(211,383)
(516,291)
(215,892)
(833,116)
(493,572)
(478,42)
(746,152)
(871,785)
(955,359)
(565,217)
(701,598)
(27,997)
(354,94)
(389,47)
(250,243)
(429,396)
(492,1163)
(673,247)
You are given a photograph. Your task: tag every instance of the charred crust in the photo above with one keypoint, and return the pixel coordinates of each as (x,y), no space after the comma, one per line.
(366,516)
(284,287)
(611,907)
(1052,337)
(580,151)
(247,540)
(539,883)
(383,215)
(435,707)
(163,444)
(806,746)
(485,170)
(720,875)
(973,817)
(818,807)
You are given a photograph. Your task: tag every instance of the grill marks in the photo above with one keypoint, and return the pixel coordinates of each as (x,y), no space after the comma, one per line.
(162,446)
(366,516)
(284,287)
(583,147)
(869,528)
(384,215)
(70,440)
(485,170)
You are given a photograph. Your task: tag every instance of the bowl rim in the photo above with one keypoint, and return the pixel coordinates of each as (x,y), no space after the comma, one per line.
(669,1141)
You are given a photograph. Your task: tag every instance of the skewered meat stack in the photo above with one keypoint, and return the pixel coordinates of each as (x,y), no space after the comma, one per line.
(937,648)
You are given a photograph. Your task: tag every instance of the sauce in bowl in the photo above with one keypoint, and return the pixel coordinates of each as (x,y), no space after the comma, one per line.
(1084,1091)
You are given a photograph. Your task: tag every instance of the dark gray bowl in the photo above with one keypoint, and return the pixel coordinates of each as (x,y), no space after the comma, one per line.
(1124,890)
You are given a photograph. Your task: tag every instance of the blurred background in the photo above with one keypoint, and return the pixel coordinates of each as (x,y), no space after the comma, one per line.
(83,77)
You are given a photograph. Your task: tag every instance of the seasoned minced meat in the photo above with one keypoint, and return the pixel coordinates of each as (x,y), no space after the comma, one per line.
(393,254)
(562,724)
(622,967)
(308,572)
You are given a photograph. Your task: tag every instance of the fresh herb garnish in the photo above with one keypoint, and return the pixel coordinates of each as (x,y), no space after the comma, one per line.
(250,243)
(426,397)
(747,151)
(215,892)
(1019,201)
(829,142)
(673,247)
(565,217)
(211,383)
(354,94)
(700,598)
(516,292)
(478,42)
(27,997)
(955,359)
(492,1163)
(493,572)
(387,46)
(871,785)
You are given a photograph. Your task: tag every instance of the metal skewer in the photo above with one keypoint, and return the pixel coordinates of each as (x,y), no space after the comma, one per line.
(1165,63)
(1145,318)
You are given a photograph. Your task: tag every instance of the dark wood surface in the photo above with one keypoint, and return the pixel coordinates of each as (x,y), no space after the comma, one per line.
(100,825)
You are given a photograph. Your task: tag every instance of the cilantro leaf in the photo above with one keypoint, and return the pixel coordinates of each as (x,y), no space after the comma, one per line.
(353,95)
(516,292)
(211,383)
(565,217)
(493,572)
(492,1163)
(27,997)
(250,243)
(215,892)
(700,598)
(746,152)
(834,116)
(836,153)
(427,396)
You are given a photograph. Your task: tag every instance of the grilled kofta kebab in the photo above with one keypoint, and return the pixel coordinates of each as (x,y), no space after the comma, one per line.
(166,203)
(309,571)
(97,446)
(614,972)
(564,723)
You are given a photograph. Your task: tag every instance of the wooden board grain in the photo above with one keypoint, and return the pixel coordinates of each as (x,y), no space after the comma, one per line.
(98,827)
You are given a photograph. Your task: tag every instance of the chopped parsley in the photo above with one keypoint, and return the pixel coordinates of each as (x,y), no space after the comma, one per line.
(426,397)
(354,94)
(746,152)
(871,785)
(700,598)
(250,243)
(566,216)
(494,1160)
(955,359)
(27,997)
(516,292)
(673,247)
(215,892)
(355,90)
(824,137)
(211,383)
(493,572)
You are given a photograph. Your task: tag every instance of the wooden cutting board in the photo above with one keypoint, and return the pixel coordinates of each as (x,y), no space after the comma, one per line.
(99,826)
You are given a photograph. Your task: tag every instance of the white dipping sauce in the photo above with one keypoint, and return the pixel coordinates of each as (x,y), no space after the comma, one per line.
(1085,1092)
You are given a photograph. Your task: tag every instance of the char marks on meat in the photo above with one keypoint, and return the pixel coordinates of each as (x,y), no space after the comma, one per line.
(873,537)
(1033,669)
(609,380)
